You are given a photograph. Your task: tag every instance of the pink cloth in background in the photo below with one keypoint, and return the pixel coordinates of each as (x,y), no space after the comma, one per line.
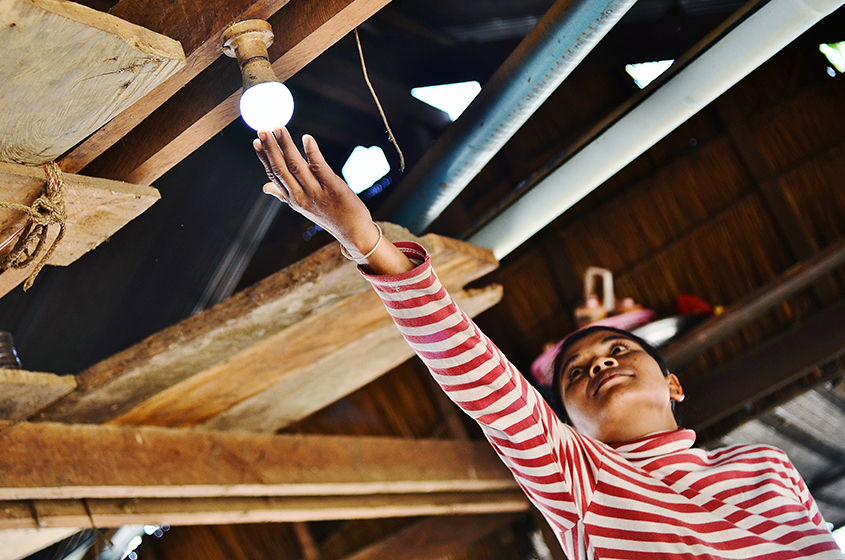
(542,367)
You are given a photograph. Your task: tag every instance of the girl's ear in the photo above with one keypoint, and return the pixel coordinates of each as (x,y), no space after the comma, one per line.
(676,392)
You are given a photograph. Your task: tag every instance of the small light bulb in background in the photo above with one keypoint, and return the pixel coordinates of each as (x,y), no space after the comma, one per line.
(267,106)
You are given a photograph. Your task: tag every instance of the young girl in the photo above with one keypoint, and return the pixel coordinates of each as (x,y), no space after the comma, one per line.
(622,481)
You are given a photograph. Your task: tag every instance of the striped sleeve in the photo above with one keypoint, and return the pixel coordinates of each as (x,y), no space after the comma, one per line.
(555,466)
(796,483)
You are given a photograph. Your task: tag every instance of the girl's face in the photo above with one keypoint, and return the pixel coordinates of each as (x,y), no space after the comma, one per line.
(614,391)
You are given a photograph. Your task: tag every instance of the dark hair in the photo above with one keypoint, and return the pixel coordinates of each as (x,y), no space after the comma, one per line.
(557,397)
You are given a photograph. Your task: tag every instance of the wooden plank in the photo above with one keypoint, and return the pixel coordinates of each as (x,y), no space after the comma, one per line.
(96,209)
(198,26)
(20,543)
(66,461)
(23,393)
(209,102)
(434,537)
(208,20)
(816,378)
(766,368)
(68,69)
(710,333)
(254,509)
(323,291)
(376,348)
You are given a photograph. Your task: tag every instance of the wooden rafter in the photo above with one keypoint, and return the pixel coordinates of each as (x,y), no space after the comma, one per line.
(250,509)
(67,70)
(354,365)
(198,26)
(61,461)
(715,330)
(20,543)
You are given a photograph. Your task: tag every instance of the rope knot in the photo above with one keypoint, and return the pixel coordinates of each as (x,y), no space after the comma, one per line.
(46,210)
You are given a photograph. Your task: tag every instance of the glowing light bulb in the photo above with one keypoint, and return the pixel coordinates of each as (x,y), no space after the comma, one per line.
(267,106)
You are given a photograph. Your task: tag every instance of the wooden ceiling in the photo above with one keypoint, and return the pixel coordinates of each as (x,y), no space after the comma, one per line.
(732,207)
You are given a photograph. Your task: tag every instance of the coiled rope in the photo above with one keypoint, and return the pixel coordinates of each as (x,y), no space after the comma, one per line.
(46,210)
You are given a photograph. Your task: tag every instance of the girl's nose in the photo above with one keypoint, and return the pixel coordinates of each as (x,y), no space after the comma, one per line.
(604,363)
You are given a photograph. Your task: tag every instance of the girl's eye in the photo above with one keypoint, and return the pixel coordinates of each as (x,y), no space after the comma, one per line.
(575,372)
(616,349)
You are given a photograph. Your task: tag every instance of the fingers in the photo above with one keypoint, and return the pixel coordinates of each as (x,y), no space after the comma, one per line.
(273,173)
(296,164)
(274,154)
(318,165)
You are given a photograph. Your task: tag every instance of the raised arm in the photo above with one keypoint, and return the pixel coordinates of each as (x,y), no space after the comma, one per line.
(548,459)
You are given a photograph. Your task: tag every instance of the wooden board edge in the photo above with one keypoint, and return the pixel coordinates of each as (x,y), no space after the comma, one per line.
(23,376)
(123,187)
(137,37)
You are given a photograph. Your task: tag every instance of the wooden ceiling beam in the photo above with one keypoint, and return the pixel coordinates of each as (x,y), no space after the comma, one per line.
(287,328)
(67,70)
(52,514)
(765,368)
(75,461)
(209,102)
(194,24)
(364,359)
(20,543)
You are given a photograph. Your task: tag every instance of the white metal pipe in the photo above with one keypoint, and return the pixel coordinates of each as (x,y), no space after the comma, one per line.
(711,73)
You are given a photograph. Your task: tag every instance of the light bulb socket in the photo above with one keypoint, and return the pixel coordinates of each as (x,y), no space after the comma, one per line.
(257,71)
(247,41)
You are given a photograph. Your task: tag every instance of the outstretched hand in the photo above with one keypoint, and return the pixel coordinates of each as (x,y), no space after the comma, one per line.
(310,187)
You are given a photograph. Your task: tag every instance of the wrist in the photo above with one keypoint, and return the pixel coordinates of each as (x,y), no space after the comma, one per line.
(363,244)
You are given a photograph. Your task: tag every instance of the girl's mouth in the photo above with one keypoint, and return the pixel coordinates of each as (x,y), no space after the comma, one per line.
(599,381)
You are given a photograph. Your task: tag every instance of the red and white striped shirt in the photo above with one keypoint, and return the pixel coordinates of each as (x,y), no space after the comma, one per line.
(652,497)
